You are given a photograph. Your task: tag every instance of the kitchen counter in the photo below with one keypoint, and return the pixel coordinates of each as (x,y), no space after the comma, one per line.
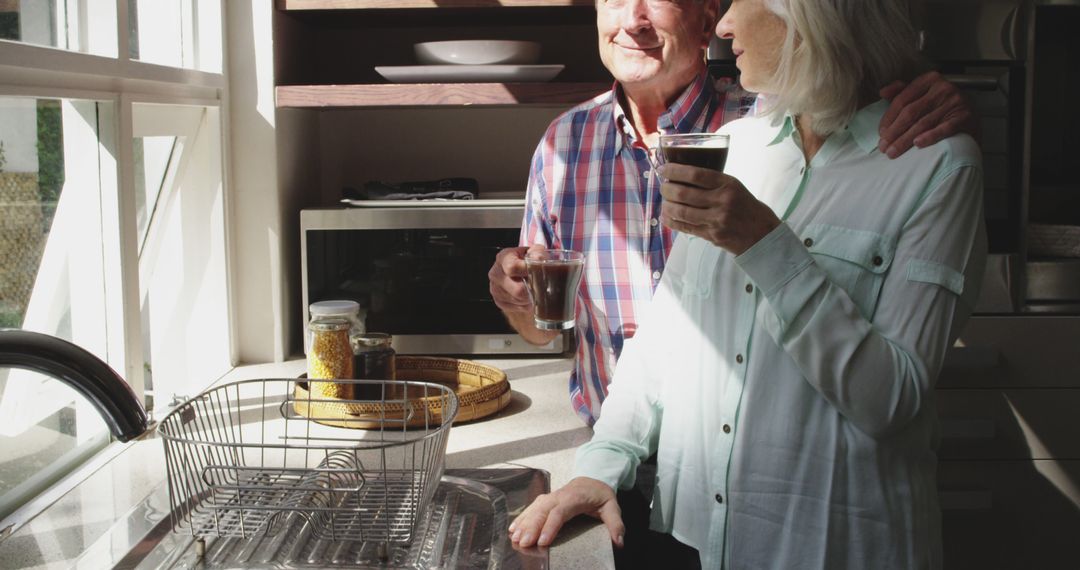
(103,518)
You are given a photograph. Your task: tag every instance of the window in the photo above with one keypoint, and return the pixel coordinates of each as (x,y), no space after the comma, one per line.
(171,32)
(112,203)
(87,26)
(183,300)
(52,280)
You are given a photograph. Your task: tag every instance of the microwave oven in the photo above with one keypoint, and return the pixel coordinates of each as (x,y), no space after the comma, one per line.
(419,272)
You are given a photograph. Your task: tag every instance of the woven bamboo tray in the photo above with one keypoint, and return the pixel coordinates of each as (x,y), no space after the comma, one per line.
(482,390)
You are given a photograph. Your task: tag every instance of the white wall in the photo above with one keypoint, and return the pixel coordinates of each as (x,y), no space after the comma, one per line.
(259,269)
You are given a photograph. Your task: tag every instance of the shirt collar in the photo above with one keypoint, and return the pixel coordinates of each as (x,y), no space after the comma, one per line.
(863,126)
(689,113)
(787,127)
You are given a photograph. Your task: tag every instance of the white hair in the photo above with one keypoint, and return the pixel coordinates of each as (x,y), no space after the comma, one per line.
(837,55)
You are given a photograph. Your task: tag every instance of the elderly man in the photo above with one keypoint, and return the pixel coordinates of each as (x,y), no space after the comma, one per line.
(592,187)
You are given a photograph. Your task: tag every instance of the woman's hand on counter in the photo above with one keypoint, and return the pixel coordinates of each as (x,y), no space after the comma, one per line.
(540,522)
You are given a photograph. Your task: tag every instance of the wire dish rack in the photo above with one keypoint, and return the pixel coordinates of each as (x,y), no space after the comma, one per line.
(242,461)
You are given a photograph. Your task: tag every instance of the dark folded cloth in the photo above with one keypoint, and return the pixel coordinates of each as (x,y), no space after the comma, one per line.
(444,189)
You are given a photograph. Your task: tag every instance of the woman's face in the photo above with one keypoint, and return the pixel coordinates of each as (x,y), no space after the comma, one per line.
(758,36)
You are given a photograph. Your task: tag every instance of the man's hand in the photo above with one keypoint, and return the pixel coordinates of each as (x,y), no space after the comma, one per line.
(922,113)
(541,520)
(507,281)
(713,206)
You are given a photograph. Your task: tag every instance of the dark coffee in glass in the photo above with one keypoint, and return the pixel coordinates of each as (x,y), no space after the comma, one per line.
(704,150)
(553,278)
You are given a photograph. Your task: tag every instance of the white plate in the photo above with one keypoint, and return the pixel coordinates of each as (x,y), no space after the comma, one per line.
(467,73)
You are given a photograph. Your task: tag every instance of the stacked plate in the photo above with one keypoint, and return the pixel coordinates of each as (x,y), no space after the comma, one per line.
(473,61)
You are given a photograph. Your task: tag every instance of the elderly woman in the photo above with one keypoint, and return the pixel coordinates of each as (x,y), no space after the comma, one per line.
(784,375)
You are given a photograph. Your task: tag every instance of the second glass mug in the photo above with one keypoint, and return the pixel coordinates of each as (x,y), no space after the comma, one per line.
(553,278)
(705,150)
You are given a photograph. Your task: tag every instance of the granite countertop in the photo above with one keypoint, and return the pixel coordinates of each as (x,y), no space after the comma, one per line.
(97,523)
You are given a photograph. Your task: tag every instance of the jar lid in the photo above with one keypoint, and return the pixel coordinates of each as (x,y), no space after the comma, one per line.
(330,325)
(328,308)
(372,339)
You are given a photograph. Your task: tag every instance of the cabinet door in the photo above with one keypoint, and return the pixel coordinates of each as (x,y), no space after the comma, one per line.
(1009,424)
(1015,352)
(1010,514)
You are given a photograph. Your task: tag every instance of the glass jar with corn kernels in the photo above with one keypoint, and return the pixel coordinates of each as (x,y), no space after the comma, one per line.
(329,357)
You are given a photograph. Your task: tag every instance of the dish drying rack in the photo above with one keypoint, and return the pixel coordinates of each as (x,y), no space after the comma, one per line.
(242,461)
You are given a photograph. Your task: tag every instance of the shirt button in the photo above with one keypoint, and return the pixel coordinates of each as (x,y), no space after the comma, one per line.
(749,288)
(738,358)
(719,498)
(727,428)
(656,275)
(802,170)
(808,242)
(646,174)
(877,261)
(654,222)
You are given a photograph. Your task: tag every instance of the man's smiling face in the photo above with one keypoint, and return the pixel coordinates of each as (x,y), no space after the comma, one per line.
(653,42)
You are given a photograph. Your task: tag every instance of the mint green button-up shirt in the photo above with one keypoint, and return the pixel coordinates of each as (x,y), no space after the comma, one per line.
(788,392)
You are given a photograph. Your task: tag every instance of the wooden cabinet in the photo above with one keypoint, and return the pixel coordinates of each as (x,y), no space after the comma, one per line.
(1009,461)
(1010,514)
(326,50)
(382,4)
(341,124)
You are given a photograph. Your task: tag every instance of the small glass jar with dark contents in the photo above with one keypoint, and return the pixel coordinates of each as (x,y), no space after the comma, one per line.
(373,359)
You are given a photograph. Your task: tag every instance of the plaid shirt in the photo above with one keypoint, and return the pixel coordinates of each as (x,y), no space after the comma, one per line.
(592,190)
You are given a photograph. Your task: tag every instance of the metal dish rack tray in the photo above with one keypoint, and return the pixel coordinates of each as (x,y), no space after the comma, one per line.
(242,462)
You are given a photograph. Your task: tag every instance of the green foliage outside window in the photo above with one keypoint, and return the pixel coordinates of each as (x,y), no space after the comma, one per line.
(9,26)
(50,146)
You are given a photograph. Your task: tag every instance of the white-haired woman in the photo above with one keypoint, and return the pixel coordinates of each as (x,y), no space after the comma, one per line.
(785,373)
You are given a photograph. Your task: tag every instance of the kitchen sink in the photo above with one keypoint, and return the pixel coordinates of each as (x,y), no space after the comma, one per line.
(465,527)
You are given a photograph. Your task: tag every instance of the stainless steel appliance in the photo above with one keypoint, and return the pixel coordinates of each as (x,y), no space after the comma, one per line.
(1019,61)
(982,47)
(418,271)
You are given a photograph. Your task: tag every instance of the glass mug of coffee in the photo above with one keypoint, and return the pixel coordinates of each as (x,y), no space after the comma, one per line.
(705,150)
(553,277)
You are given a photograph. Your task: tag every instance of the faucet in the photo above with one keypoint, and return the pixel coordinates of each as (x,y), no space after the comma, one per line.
(84,372)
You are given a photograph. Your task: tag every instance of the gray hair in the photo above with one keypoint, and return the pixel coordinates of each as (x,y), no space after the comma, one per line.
(837,55)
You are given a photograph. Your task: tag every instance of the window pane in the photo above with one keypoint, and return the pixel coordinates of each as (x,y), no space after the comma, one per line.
(152,155)
(87,26)
(177,33)
(182,259)
(52,280)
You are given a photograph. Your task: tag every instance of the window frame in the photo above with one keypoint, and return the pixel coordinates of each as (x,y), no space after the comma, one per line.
(28,70)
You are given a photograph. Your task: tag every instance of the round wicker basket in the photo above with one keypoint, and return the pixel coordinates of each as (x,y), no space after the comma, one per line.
(481,390)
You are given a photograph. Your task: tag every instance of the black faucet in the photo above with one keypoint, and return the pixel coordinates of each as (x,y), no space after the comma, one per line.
(81,370)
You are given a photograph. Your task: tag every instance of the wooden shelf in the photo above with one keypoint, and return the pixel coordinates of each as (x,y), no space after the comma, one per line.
(436,94)
(393,4)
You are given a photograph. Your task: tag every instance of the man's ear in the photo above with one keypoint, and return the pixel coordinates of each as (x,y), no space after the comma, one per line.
(712,18)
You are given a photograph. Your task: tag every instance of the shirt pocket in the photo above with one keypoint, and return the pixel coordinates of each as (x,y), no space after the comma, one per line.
(854,260)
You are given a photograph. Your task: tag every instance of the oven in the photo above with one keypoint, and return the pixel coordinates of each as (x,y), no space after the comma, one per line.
(1019,63)
(418,271)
